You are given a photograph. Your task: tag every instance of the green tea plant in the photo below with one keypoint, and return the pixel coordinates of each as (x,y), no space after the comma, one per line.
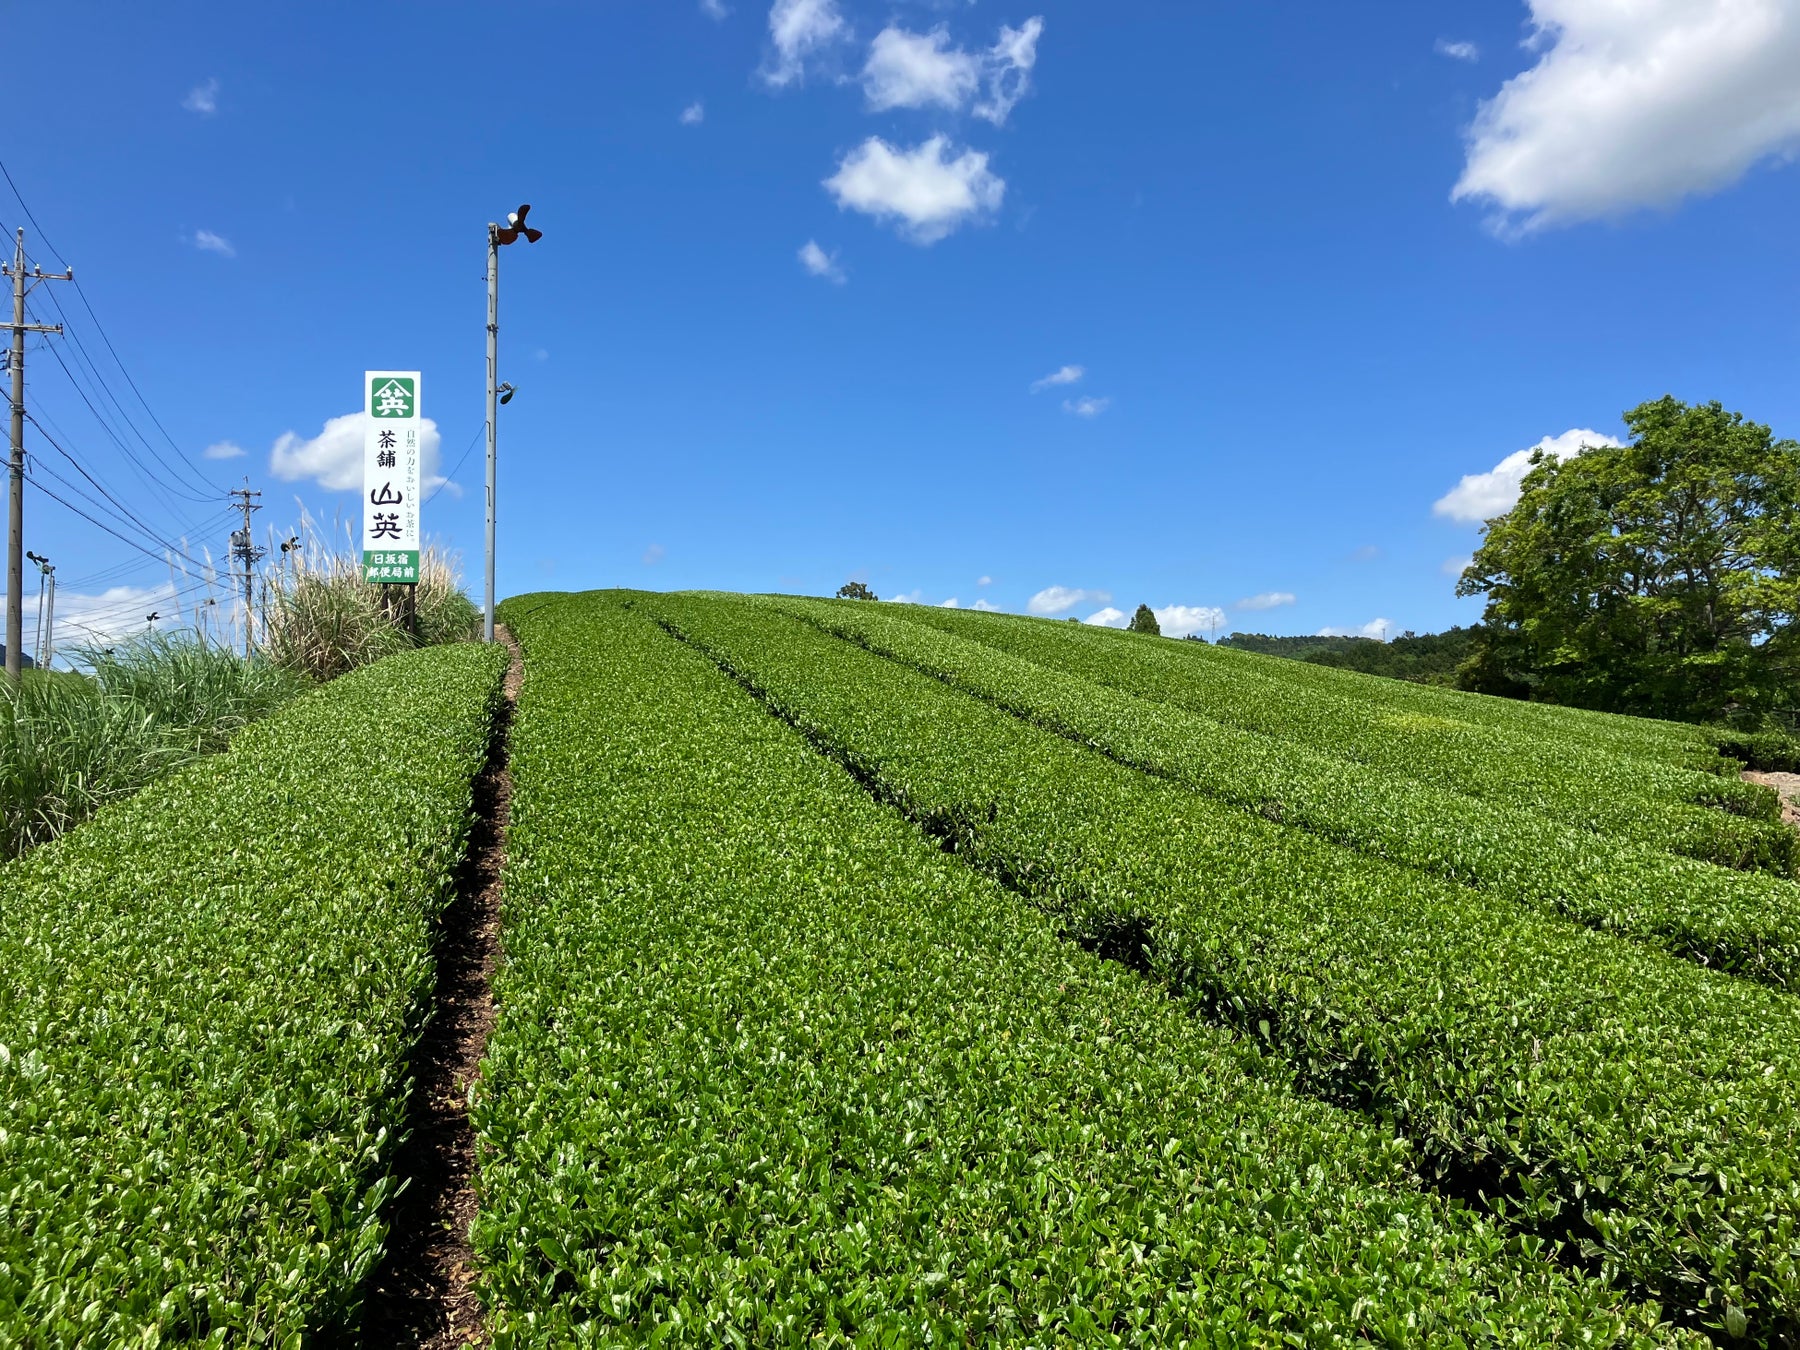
(1593,1090)
(210,993)
(770,1069)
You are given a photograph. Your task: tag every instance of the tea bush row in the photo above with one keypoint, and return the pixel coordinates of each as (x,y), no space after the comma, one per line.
(209,994)
(1642,1106)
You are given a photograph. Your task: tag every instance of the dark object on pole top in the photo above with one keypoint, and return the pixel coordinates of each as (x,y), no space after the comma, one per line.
(516,226)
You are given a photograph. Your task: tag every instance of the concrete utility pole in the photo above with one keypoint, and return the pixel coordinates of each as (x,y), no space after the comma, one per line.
(497,236)
(244,549)
(15,496)
(46,615)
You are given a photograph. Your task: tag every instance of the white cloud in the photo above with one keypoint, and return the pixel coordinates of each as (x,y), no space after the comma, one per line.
(1266,600)
(1635,105)
(222,450)
(926,193)
(694,114)
(1086,407)
(1374,628)
(208,242)
(801,29)
(1061,375)
(1453,567)
(820,263)
(1056,599)
(714,9)
(913,597)
(203,98)
(1107,618)
(984,581)
(334,458)
(1457,51)
(1482,496)
(87,620)
(918,70)
(1185,620)
(986,606)
(1007,70)
(951,603)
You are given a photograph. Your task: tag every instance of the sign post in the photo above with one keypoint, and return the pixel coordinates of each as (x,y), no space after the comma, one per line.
(392,456)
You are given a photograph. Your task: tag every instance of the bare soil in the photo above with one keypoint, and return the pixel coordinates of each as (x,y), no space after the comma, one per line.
(1787,786)
(422,1295)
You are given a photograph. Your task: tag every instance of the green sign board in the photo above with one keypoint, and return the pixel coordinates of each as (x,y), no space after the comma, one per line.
(393,396)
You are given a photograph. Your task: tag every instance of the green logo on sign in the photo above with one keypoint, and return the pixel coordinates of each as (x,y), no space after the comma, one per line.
(393,397)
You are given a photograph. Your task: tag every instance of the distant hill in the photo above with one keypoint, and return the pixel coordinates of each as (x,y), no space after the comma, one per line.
(1423,658)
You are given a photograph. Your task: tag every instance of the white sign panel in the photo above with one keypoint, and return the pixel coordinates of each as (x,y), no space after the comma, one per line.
(392,459)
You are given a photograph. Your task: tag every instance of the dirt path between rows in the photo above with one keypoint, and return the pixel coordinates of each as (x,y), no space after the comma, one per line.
(1787,787)
(422,1295)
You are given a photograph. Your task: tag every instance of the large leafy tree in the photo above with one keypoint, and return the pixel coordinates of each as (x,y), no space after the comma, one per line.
(1144,621)
(1658,577)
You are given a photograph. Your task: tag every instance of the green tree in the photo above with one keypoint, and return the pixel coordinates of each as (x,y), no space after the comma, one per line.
(855,590)
(1144,621)
(1659,577)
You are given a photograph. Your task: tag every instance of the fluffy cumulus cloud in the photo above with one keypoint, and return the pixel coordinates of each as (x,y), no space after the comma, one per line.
(798,31)
(926,192)
(89,619)
(223,450)
(203,98)
(208,242)
(820,263)
(927,70)
(1635,105)
(986,606)
(1053,600)
(1266,600)
(912,597)
(1186,620)
(1482,496)
(1087,406)
(1061,375)
(1374,628)
(694,114)
(1107,618)
(334,458)
(1458,51)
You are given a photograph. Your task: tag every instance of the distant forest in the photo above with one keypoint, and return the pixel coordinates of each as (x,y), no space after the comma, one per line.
(1424,658)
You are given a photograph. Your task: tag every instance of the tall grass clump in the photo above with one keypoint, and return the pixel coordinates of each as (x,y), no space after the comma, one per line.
(71,742)
(323,619)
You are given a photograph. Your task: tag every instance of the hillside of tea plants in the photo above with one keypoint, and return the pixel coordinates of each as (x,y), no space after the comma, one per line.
(882,975)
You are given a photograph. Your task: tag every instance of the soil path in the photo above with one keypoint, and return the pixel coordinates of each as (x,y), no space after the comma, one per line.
(422,1295)
(1787,787)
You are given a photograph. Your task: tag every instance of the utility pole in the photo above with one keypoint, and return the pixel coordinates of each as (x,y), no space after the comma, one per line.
(497,235)
(46,614)
(245,550)
(15,496)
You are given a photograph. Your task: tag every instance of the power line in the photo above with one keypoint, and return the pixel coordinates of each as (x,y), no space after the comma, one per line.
(452,474)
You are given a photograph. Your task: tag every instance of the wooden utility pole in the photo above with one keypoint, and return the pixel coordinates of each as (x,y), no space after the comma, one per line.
(15,496)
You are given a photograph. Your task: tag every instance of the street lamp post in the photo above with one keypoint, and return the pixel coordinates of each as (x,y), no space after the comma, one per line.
(498,235)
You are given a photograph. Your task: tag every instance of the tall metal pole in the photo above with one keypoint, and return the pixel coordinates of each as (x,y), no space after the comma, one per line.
(15,488)
(49,619)
(493,393)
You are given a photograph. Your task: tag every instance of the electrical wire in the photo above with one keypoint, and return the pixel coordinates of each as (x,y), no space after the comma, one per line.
(459,463)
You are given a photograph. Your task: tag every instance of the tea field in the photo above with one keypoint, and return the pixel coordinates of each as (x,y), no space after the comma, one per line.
(878,975)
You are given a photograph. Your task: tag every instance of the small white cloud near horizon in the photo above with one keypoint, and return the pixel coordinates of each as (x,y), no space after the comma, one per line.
(1086,406)
(693,115)
(912,597)
(1266,600)
(1453,567)
(1457,51)
(926,70)
(951,603)
(1374,628)
(1479,497)
(334,458)
(925,192)
(85,619)
(203,98)
(800,29)
(1061,375)
(1185,620)
(986,606)
(1054,600)
(1107,618)
(1634,106)
(820,263)
(208,242)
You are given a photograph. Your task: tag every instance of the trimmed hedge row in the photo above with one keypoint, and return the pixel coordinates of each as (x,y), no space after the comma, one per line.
(207,998)
(1684,811)
(1647,1108)
(1746,923)
(771,1070)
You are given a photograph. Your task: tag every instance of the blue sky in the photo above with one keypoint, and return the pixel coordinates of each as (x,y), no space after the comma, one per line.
(1237,222)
